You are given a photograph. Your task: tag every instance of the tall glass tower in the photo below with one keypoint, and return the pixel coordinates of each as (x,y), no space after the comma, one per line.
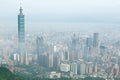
(21,31)
(96,40)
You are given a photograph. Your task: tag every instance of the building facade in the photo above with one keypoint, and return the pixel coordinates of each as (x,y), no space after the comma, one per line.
(21,31)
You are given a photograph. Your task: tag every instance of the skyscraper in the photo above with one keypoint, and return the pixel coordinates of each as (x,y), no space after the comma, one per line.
(40,51)
(40,45)
(88,48)
(74,68)
(75,46)
(96,40)
(21,38)
(82,67)
(21,31)
(50,55)
(66,55)
(96,44)
(89,42)
(50,60)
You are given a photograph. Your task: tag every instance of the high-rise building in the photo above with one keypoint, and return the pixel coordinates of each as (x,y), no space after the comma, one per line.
(26,60)
(50,55)
(96,44)
(115,70)
(50,60)
(96,40)
(21,38)
(21,31)
(88,48)
(95,68)
(39,45)
(43,60)
(56,62)
(74,68)
(40,49)
(89,68)
(74,41)
(75,46)
(81,68)
(89,42)
(66,55)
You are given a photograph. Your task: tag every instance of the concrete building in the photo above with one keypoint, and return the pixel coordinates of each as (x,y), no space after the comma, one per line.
(115,70)
(64,67)
(82,68)
(96,40)
(39,49)
(95,68)
(50,60)
(89,68)
(66,55)
(74,68)
(89,42)
(26,59)
(56,61)
(50,55)
(53,75)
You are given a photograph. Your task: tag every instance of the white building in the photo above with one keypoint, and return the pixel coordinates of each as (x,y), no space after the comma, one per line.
(65,67)
(26,60)
(16,57)
(53,75)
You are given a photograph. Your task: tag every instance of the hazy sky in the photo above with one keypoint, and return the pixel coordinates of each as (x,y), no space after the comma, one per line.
(61,11)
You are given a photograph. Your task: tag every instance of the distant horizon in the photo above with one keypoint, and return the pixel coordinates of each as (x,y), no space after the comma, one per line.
(62,27)
(62,15)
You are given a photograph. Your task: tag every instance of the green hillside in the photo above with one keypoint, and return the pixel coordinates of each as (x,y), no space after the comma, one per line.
(5,73)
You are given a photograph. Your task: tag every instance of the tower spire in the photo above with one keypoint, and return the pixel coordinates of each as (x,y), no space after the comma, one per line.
(20,3)
(21,7)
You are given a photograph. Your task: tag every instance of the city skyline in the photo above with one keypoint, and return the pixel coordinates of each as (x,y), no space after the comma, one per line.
(59,42)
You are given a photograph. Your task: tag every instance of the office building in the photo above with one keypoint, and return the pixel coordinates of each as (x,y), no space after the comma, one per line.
(66,55)
(64,67)
(96,40)
(26,59)
(40,50)
(89,68)
(74,68)
(81,68)
(89,42)
(50,55)
(50,60)
(39,45)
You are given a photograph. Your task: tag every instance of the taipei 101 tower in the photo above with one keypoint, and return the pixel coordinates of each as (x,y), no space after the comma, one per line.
(23,55)
(21,31)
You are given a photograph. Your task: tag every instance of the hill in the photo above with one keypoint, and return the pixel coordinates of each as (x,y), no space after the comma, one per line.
(5,73)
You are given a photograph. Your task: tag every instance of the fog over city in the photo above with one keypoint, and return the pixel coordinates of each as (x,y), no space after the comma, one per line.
(59,39)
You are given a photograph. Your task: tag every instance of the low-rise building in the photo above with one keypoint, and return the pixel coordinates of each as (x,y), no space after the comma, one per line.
(53,75)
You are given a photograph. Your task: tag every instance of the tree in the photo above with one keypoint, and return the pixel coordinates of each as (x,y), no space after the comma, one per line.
(5,73)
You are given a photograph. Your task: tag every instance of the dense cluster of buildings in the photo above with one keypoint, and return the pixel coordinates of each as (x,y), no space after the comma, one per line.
(77,56)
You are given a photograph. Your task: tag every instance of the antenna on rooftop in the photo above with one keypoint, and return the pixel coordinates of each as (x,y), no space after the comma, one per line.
(20,3)
(21,6)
